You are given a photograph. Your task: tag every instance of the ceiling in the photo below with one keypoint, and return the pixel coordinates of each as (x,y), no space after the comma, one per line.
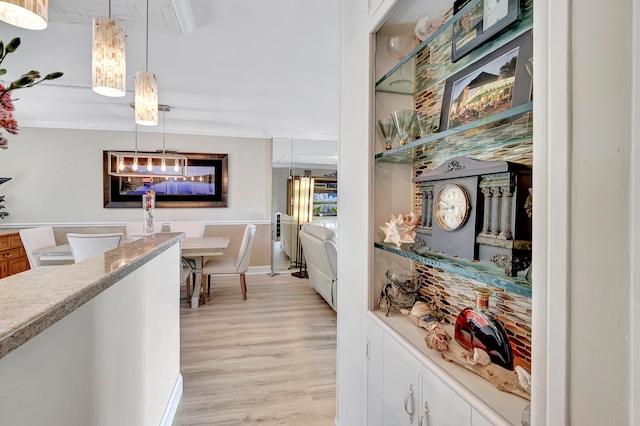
(243,68)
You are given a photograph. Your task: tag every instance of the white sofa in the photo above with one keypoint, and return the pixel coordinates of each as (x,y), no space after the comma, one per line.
(319,244)
(289,236)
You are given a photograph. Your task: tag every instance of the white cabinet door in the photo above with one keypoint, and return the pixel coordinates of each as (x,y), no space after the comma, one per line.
(440,405)
(478,419)
(401,385)
(375,369)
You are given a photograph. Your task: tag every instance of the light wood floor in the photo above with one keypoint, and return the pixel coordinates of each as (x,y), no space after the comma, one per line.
(269,360)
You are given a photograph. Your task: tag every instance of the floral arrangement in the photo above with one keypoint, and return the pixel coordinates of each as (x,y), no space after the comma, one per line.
(29,79)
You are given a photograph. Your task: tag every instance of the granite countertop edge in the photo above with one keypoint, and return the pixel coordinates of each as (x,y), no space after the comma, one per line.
(25,314)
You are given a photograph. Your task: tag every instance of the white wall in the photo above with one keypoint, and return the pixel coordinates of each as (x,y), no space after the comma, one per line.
(354,221)
(57,175)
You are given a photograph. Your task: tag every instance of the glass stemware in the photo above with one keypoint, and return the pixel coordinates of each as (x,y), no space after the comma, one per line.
(428,126)
(388,130)
(403,120)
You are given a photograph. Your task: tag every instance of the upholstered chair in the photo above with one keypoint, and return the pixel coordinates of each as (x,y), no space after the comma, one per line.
(85,246)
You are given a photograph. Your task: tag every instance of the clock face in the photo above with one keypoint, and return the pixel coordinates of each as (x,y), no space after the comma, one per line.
(451,207)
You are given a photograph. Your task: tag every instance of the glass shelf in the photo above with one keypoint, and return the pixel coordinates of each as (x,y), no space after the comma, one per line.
(417,150)
(483,271)
(409,77)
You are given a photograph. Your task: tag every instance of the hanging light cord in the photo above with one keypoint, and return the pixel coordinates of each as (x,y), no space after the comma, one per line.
(147,49)
(136,138)
(164,121)
(109,9)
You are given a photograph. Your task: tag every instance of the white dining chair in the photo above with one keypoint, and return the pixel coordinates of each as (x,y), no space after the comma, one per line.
(34,239)
(239,265)
(85,246)
(191,229)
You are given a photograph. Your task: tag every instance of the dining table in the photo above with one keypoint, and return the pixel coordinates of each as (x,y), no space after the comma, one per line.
(196,248)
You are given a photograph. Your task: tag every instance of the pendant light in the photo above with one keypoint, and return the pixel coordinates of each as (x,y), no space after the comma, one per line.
(28,14)
(146,101)
(108,57)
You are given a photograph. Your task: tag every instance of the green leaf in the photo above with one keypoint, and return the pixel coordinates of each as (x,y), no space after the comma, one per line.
(32,72)
(24,81)
(53,75)
(3,71)
(13,45)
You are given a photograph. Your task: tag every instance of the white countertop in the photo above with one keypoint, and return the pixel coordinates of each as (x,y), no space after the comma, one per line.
(33,300)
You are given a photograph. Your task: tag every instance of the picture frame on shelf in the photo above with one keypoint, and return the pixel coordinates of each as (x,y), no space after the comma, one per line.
(497,82)
(485,20)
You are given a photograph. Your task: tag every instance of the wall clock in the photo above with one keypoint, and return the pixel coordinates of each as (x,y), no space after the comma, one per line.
(451,207)
(476,210)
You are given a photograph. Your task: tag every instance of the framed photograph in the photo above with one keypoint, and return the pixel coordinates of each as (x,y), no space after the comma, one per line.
(485,20)
(495,83)
(201,183)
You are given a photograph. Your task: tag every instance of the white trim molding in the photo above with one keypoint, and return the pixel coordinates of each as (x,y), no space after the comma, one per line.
(551,215)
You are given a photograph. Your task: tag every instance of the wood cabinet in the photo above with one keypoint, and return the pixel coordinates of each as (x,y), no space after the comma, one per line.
(13,258)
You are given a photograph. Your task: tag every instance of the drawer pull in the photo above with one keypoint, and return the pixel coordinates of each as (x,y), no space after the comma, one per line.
(7,255)
(424,412)
(406,403)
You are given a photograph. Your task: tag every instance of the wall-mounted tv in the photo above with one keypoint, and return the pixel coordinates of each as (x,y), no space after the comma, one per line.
(188,180)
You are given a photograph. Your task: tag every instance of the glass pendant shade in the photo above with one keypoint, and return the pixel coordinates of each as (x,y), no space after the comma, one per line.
(108,74)
(146,102)
(29,14)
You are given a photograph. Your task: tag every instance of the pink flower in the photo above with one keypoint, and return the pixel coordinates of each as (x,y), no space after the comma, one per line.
(7,121)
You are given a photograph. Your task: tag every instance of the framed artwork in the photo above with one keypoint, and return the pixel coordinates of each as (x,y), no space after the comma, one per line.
(202,182)
(485,20)
(495,83)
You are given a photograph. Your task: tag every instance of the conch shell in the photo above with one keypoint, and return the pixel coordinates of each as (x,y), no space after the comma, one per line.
(438,338)
(399,229)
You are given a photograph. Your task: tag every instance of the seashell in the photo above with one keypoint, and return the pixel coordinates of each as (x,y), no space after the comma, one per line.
(438,338)
(412,219)
(481,357)
(524,378)
(420,309)
(397,231)
(437,342)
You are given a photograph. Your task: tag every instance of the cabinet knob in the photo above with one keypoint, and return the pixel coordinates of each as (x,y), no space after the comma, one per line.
(407,397)
(424,412)
(7,255)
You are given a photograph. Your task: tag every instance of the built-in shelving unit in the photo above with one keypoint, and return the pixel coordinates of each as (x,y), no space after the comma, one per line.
(483,271)
(412,152)
(418,82)
(393,81)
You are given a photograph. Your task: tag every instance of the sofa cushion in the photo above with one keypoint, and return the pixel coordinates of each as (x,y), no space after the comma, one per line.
(320,232)
(327,222)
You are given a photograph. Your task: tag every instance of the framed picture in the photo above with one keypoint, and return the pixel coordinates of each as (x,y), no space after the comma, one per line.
(495,83)
(201,183)
(485,20)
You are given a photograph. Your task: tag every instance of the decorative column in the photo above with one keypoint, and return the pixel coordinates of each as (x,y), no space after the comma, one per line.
(495,211)
(486,215)
(505,215)
(427,205)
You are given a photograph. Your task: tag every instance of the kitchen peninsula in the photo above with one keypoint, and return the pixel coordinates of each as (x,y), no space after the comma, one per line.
(81,343)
